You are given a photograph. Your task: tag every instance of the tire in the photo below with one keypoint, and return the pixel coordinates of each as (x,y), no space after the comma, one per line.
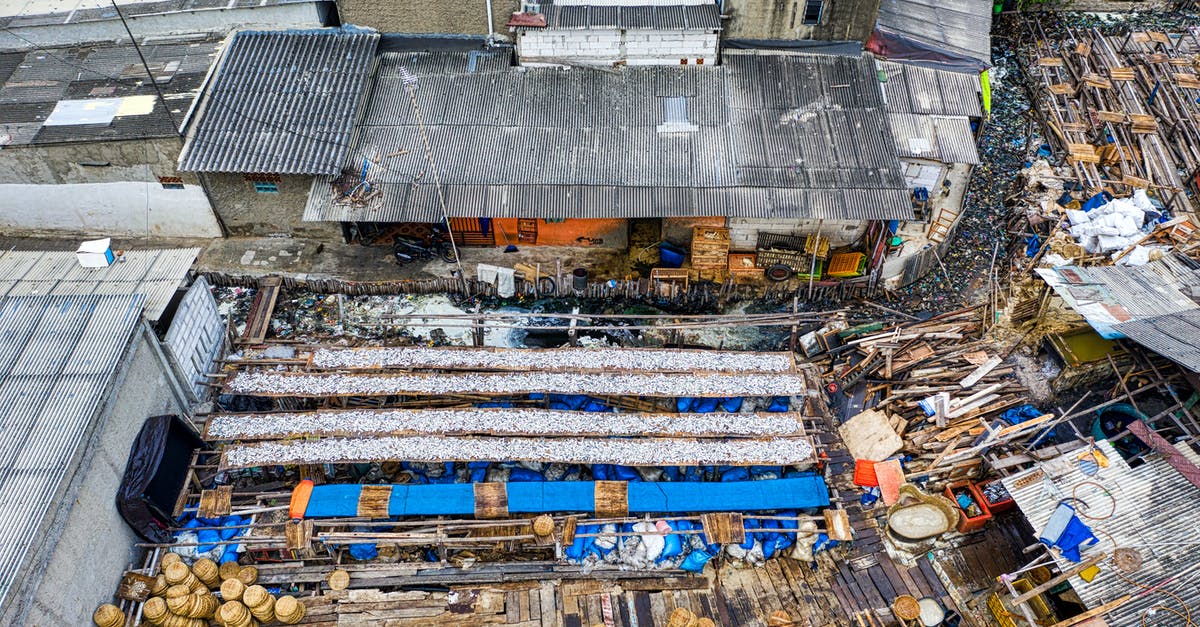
(546,285)
(779,272)
(446,252)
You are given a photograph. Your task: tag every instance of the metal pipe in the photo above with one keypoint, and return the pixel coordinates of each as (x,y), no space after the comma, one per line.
(491,32)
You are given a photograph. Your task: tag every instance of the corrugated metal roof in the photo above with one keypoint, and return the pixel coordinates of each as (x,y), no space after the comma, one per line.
(33,83)
(961,27)
(915,89)
(941,138)
(57,358)
(665,17)
(282,102)
(808,130)
(1174,336)
(154,273)
(1107,296)
(1153,511)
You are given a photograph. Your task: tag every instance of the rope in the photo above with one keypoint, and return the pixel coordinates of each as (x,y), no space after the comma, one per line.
(1111,511)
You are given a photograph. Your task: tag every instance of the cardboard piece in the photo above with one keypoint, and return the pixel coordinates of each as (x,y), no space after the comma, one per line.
(870,436)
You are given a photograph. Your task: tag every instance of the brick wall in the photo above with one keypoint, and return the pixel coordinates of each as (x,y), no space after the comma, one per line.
(448,17)
(841,20)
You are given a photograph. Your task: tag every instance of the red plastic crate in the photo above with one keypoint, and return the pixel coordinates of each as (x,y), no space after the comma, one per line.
(998,506)
(967,524)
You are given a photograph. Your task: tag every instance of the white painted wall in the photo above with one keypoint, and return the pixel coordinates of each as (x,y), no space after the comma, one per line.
(743,232)
(122,209)
(548,47)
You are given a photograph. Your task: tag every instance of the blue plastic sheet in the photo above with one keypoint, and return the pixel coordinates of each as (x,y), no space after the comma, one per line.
(579,496)
(695,561)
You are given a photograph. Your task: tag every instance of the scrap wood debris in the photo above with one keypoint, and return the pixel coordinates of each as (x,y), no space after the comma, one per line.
(938,385)
(516,421)
(329,385)
(630,452)
(562,359)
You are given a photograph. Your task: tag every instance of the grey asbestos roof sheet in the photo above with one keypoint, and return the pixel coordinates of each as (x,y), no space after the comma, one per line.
(1174,336)
(789,136)
(282,102)
(942,138)
(154,273)
(961,27)
(33,83)
(673,17)
(57,358)
(916,89)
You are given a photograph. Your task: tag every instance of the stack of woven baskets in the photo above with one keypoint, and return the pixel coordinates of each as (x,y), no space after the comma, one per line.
(183,597)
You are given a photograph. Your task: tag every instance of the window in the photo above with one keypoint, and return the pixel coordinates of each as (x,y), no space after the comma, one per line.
(264,183)
(812,11)
(171,182)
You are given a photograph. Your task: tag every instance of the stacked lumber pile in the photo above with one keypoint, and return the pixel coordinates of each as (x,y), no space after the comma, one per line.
(935,391)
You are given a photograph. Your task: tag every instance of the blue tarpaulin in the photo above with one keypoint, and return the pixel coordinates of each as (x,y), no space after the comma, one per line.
(579,496)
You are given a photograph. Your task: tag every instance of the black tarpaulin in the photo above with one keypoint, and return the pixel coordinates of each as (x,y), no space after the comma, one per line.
(154,475)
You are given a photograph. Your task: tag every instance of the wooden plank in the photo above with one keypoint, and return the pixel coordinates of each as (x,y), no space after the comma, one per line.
(547,606)
(980,372)
(1061,577)
(642,609)
(1090,614)
(261,310)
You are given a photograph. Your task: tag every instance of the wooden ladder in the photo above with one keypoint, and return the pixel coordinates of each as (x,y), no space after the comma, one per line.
(939,231)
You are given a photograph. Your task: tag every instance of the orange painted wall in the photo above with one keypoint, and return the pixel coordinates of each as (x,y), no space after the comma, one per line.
(601,233)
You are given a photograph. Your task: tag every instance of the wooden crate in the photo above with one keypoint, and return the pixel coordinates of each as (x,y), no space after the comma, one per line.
(710,248)
(744,266)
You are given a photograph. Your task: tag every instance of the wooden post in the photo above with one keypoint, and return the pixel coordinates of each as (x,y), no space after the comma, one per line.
(572,334)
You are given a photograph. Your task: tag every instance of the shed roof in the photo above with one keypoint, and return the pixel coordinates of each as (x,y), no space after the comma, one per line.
(763,135)
(282,102)
(102,78)
(1153,512)
(154,273)
(960,28)
(1174,336)
(58,355)
(929,91)
(942,138)
(1107,296)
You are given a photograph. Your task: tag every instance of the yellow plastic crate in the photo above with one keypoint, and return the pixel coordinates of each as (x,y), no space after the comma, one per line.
(847,265)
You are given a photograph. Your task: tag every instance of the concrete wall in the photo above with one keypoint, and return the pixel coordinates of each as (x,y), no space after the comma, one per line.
(841,20)
(48,189)
(743,232)
(246,212)
(447,17)
(217,21)
(89,546)
(539,46)
(678,231)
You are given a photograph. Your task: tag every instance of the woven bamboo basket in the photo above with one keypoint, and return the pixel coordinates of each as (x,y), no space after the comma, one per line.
(339,579)
(543,525)
(681,617)
(906,607)
(705,622)
(173,620)
(160,585)
(177,573)
(229,570)
(248,575)
(155,610)
(254,596)
(108,615)
(232,589)
(288,610)
(207,572)
(234,614)
(177,591)
(169,558)
(264,612)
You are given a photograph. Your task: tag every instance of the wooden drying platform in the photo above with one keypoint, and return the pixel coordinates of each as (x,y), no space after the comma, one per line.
(645,360)
(274,384)
(629,452)
(494,421)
